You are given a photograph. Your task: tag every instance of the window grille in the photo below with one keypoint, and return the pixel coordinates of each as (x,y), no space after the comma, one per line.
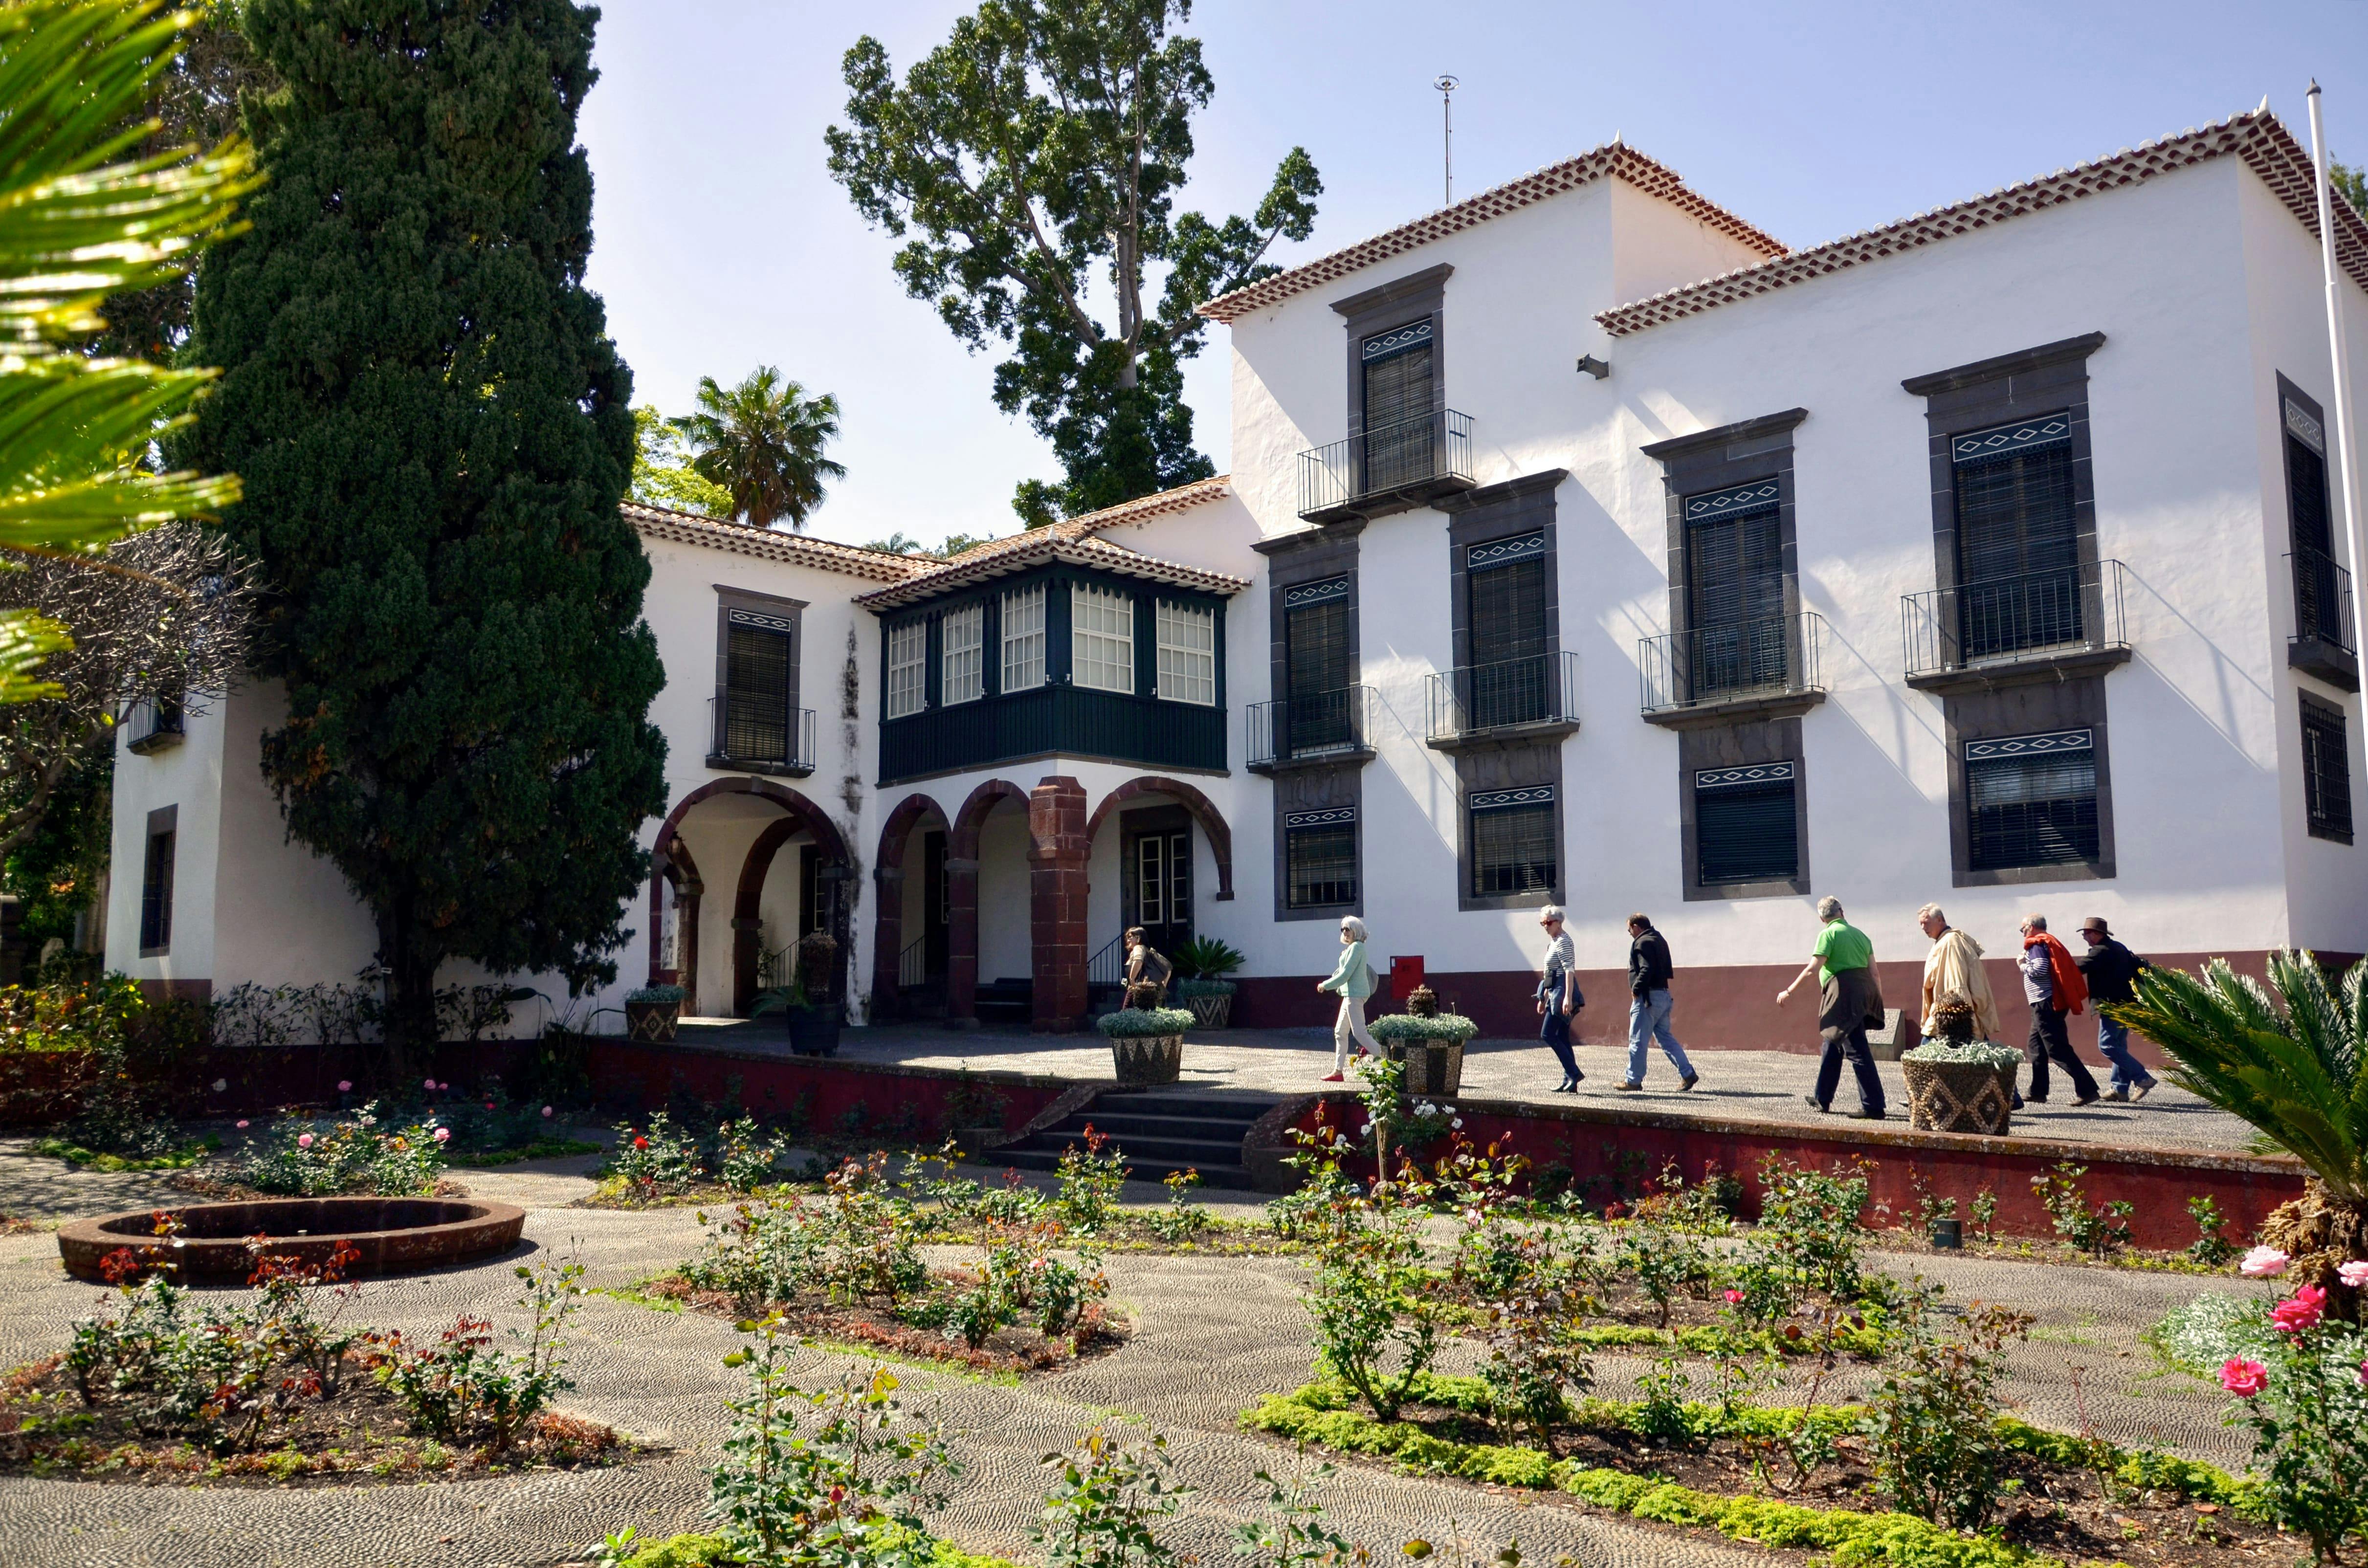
(157,894)
(1319,857)
(2032,800)
(1399,435)
(1317,664)
(2326,772)
(1101,638)
(1746,829)
(1507,588)
(908,653)
(1513,841)
(2318,601)
(2017,557)
(1188,653)
(963,634)
(1023,638)
(757,670)
(1735,588)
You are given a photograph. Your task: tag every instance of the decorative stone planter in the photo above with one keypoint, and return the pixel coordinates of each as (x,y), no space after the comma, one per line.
(1144,1059)
(813,1031)
(1958,1097)
(652,1022)
(1211,1012)
(394,1235)
(1434,1068)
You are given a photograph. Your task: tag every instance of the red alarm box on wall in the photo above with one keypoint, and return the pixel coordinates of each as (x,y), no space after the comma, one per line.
(1405,974)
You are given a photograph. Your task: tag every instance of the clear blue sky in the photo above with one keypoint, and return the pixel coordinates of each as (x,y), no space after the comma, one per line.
(722,244)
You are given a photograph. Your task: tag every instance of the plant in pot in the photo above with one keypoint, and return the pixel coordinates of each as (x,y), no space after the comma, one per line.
(1146,1042)
(1956,1082)
(1429,1041)
(1201,965)
(814,1015)
(652,1014)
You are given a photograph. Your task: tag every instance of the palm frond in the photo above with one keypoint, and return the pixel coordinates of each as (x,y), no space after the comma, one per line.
(25,639)
(69,431)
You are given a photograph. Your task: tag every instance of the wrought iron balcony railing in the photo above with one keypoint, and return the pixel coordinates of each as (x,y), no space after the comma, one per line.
(759,737)
(1735,662)
(2002,620)
(2322,601)
(1308,728)
(1405,463)
(1476,699)
(155,724)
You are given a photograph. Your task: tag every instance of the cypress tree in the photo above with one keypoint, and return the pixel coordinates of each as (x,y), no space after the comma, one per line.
(435,432)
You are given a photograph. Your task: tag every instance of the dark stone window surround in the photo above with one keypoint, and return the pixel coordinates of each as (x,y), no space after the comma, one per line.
(163,820)
(2029,707)
(2335,713)
(1741,745)
(1507,767)
(2320,659)
(1313,555)
(1393,304)
(729,599)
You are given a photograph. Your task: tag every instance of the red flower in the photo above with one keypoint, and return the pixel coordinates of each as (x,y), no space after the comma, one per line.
(1734,1297)
(2243,1377)
(2301,1311)
(641,1143)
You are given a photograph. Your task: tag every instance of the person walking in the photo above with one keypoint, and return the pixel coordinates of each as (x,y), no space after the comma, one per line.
(2052,984)
(2108,968)
(1953,967)
(1352,982)
(1649,972)
(1146,965)
(1843,963)
(1559,999)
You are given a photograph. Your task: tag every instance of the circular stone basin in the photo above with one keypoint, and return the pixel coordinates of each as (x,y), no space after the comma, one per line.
(394,1235)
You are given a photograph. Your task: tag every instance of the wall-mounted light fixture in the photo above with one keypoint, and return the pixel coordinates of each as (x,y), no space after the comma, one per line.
(1590,365)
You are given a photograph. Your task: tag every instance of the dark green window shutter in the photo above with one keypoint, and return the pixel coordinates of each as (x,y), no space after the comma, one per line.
(1746,828)
(2032,800)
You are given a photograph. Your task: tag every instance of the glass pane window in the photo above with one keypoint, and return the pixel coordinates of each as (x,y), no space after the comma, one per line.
(156,895)
(1512,842)
(1744,827)
(909,649)
(2018,555)
(1320,860)
(1151,880)
(1101,638)
(2032,800)
(2326,772)
(1188,653)
(962,632)
(1023,638)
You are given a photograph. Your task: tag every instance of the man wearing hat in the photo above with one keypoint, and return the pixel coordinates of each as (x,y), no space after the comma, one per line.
(2109,967)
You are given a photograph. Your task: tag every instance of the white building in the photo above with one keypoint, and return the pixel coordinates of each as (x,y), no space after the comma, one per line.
(1583,543)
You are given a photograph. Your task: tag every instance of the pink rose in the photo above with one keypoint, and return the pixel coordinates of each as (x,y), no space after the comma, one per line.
(2353,1273)
(546,1111)
(304,1140)
(2301,1311)
(241,1126)
(1734,1297)
(2243,1378)
(431,1083)
(443,1135)
(345,1085)
(2263,1263)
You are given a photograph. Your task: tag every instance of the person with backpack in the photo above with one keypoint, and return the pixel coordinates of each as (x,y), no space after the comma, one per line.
(1145,965)
(2109,967)
(2053,985)
(1353,981)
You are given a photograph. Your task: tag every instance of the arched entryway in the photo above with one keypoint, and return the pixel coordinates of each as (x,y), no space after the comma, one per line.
(746,823)
(963,892)
(912,935)
(1159,854)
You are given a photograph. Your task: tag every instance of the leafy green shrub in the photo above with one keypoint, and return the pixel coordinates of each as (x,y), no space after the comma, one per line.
(1139,1023)
(1190,988)
(1207,958)
(1808,1240)
(2096,1229)
(2211,1246)
(303,1157)
(464,1381)
(1451,1028)
(1106,1495)
(745,1155)
(1183,1219)
(1988,1055)
(1933,1420)
(657,1157)
(1093,1177)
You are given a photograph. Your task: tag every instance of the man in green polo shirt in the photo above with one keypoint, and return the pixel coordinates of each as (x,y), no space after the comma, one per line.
(1843,962)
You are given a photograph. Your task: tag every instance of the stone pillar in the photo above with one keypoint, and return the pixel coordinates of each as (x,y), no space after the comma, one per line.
(961,942)
(887,939)
(1057,851)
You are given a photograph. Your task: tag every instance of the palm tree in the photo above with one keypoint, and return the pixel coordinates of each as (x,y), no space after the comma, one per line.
(2290,1058)
(80,222)
(762,442)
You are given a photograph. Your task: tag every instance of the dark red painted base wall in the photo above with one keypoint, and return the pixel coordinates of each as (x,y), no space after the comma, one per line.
(828,1089)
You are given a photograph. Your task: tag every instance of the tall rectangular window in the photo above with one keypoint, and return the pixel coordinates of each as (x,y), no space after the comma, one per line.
(757,674)
(1512,841)
(1318,660)
(1023,638)
(1188,653)
(157,886)
(1506,589)
(2018,554)
(1745,826)
(2318,598)
(1319,852)
(1399,429)
(908,657)
(2326,771)
(2032,800)
(1101,638)
(963,634)
(1735,589)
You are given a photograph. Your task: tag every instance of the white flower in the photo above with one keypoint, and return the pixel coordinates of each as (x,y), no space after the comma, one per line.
(1457,1122)
(221,1085)
(2353,1273)
(2263,1263)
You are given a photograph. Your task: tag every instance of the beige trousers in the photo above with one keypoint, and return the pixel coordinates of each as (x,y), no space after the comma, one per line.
(1351,1025)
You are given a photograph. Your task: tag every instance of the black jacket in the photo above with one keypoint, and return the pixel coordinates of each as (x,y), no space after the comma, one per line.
(1648,963)
(2109,967)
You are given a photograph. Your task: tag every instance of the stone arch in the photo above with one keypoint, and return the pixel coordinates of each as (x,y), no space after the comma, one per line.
(962,895)
(799,812)
(677,870)
(972,815)
(1203,811)
(888,901)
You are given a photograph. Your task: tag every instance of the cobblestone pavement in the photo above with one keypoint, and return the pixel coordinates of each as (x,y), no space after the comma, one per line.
(1213,1334)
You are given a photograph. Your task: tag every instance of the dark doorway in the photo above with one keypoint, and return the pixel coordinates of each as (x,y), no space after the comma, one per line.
(937,913)
(1155,863)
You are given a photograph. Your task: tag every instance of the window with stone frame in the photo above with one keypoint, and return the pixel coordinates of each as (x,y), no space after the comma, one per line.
(2326,771)
(1512,841)
(2032,801)
(156,885)
(1319,859)
(2019,573)
(1746,828)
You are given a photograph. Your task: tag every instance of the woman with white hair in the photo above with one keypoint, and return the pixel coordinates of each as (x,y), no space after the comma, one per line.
(1559,999)
(1353,981)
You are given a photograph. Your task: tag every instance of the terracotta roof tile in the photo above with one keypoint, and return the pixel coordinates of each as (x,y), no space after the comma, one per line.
(2256,136)
(1142,508)
(766,544)
(1617,161)
(1040,547)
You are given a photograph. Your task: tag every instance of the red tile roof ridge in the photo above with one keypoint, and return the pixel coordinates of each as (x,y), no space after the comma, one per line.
(770,544)
(1046,544)
(1614,160)
(2256,135)
(1142,508)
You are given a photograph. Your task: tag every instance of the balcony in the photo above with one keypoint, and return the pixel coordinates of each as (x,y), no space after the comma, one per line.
(2322,642)
(1744,670)
(1047,721)
(746,736)
(1390,468)
(1317,730)
(1517,699)
(1994,631)
(156,726)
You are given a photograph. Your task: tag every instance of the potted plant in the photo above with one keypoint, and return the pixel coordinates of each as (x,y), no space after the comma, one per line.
(1956,1083)
(1201,965)
(1429,1041)
(814,1018)
(652,1014)
(1146,1043)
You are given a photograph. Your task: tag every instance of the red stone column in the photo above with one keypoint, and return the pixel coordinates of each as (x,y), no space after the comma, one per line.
(887,939)
(961,941)
(1057,851)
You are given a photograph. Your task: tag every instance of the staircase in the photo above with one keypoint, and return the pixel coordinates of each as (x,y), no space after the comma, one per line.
(1157,1131)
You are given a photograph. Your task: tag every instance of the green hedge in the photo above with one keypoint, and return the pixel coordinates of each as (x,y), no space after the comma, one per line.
(1141,1023)
(707,1551)
(1453,1028)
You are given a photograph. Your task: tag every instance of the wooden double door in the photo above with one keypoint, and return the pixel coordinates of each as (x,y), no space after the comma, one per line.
(1155,863)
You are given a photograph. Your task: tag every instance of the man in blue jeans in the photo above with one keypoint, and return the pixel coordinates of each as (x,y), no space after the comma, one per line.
(2109,967)
(1648,1007)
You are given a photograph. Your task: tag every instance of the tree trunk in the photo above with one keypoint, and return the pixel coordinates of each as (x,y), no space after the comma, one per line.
(409,1029)
(2320,1233)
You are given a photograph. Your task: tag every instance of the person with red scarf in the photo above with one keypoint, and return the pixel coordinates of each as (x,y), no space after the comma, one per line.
(2052,983)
